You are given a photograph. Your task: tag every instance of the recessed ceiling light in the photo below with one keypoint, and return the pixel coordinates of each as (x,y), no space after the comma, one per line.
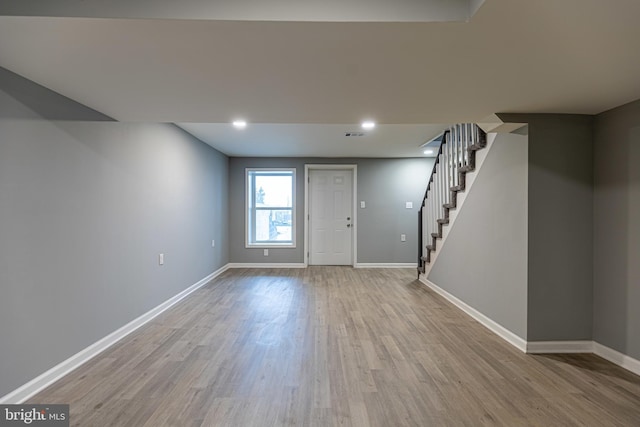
(368,124)
(239,124)
(428,151)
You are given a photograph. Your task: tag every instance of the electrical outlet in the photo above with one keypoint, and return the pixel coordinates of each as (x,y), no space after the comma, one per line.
(161,259)
(403,237)
(362,204)
(266,252)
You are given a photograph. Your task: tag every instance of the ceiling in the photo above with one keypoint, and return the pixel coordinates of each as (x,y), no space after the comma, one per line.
(301,82)
(316,140)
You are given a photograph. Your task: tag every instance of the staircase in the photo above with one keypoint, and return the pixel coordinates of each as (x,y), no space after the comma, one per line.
(456,157)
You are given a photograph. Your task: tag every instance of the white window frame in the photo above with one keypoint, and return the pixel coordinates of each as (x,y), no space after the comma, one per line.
(250,208)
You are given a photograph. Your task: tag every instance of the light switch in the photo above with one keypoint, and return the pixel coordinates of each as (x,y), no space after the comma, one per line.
(403,237)
(161,259)
(362,204)
(409,205)
(213,243)
(266,252)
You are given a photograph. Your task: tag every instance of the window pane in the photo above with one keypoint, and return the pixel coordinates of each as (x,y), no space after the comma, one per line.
(273,191)
(273,225)
(270,204)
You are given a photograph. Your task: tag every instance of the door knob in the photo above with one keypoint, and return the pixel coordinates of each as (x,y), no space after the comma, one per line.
(348,218)
(348,225)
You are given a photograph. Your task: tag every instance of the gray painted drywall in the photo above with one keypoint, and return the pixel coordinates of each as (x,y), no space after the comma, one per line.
(617,229)
(384,184)
(21,98)
(85,209)
(484,259)
(560,216)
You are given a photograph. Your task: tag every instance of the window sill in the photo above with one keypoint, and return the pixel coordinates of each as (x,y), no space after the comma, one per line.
(270,246)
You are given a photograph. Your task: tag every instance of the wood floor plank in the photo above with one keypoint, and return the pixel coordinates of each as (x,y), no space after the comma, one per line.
(335,346)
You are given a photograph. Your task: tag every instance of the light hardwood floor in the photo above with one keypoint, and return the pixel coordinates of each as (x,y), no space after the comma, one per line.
(335,346)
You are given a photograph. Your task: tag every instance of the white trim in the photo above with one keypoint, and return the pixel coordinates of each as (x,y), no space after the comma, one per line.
(534,347)
(620,359)
(386,265)
(496,328)
(266,265)
(354,194)
(44,380)
(249,193)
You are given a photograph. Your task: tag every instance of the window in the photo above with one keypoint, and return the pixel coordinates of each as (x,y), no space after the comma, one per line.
(270,207)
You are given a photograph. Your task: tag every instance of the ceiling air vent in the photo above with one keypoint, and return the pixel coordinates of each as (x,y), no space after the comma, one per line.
(354,134)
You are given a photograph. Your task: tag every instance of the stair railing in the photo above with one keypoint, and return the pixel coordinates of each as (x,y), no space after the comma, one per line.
(455,158)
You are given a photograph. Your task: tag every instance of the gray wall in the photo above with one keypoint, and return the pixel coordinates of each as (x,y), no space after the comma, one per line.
(85,209)
(560,215)
(617,230)
(384,184)
(484,259)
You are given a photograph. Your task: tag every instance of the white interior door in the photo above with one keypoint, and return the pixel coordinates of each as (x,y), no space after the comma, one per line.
(330,217)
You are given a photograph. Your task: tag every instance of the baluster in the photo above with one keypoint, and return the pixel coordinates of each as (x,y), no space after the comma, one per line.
(449,159)
(461,162)
(425,223)
(473,135)
(425,228)
(443,184)
(463,141)
(460,136)
(467,140)
(434,215)
(445,149)
(428,219)
(431,214)
(440,187)
(453,157)
(437,189)
(456,151)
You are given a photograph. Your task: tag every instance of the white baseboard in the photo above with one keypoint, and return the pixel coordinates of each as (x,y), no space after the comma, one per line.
(559,347)
(266,265)
(620,359)
(613,356)
(54,374)
(303,265)
(386,265)
(496,328)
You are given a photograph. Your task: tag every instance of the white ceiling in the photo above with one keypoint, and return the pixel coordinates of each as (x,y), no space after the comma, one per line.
(315,140)
(570,56)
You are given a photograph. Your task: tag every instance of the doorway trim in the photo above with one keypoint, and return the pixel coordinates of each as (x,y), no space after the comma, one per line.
(354,195)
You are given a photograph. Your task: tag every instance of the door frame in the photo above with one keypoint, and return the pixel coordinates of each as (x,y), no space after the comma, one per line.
(354,203)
